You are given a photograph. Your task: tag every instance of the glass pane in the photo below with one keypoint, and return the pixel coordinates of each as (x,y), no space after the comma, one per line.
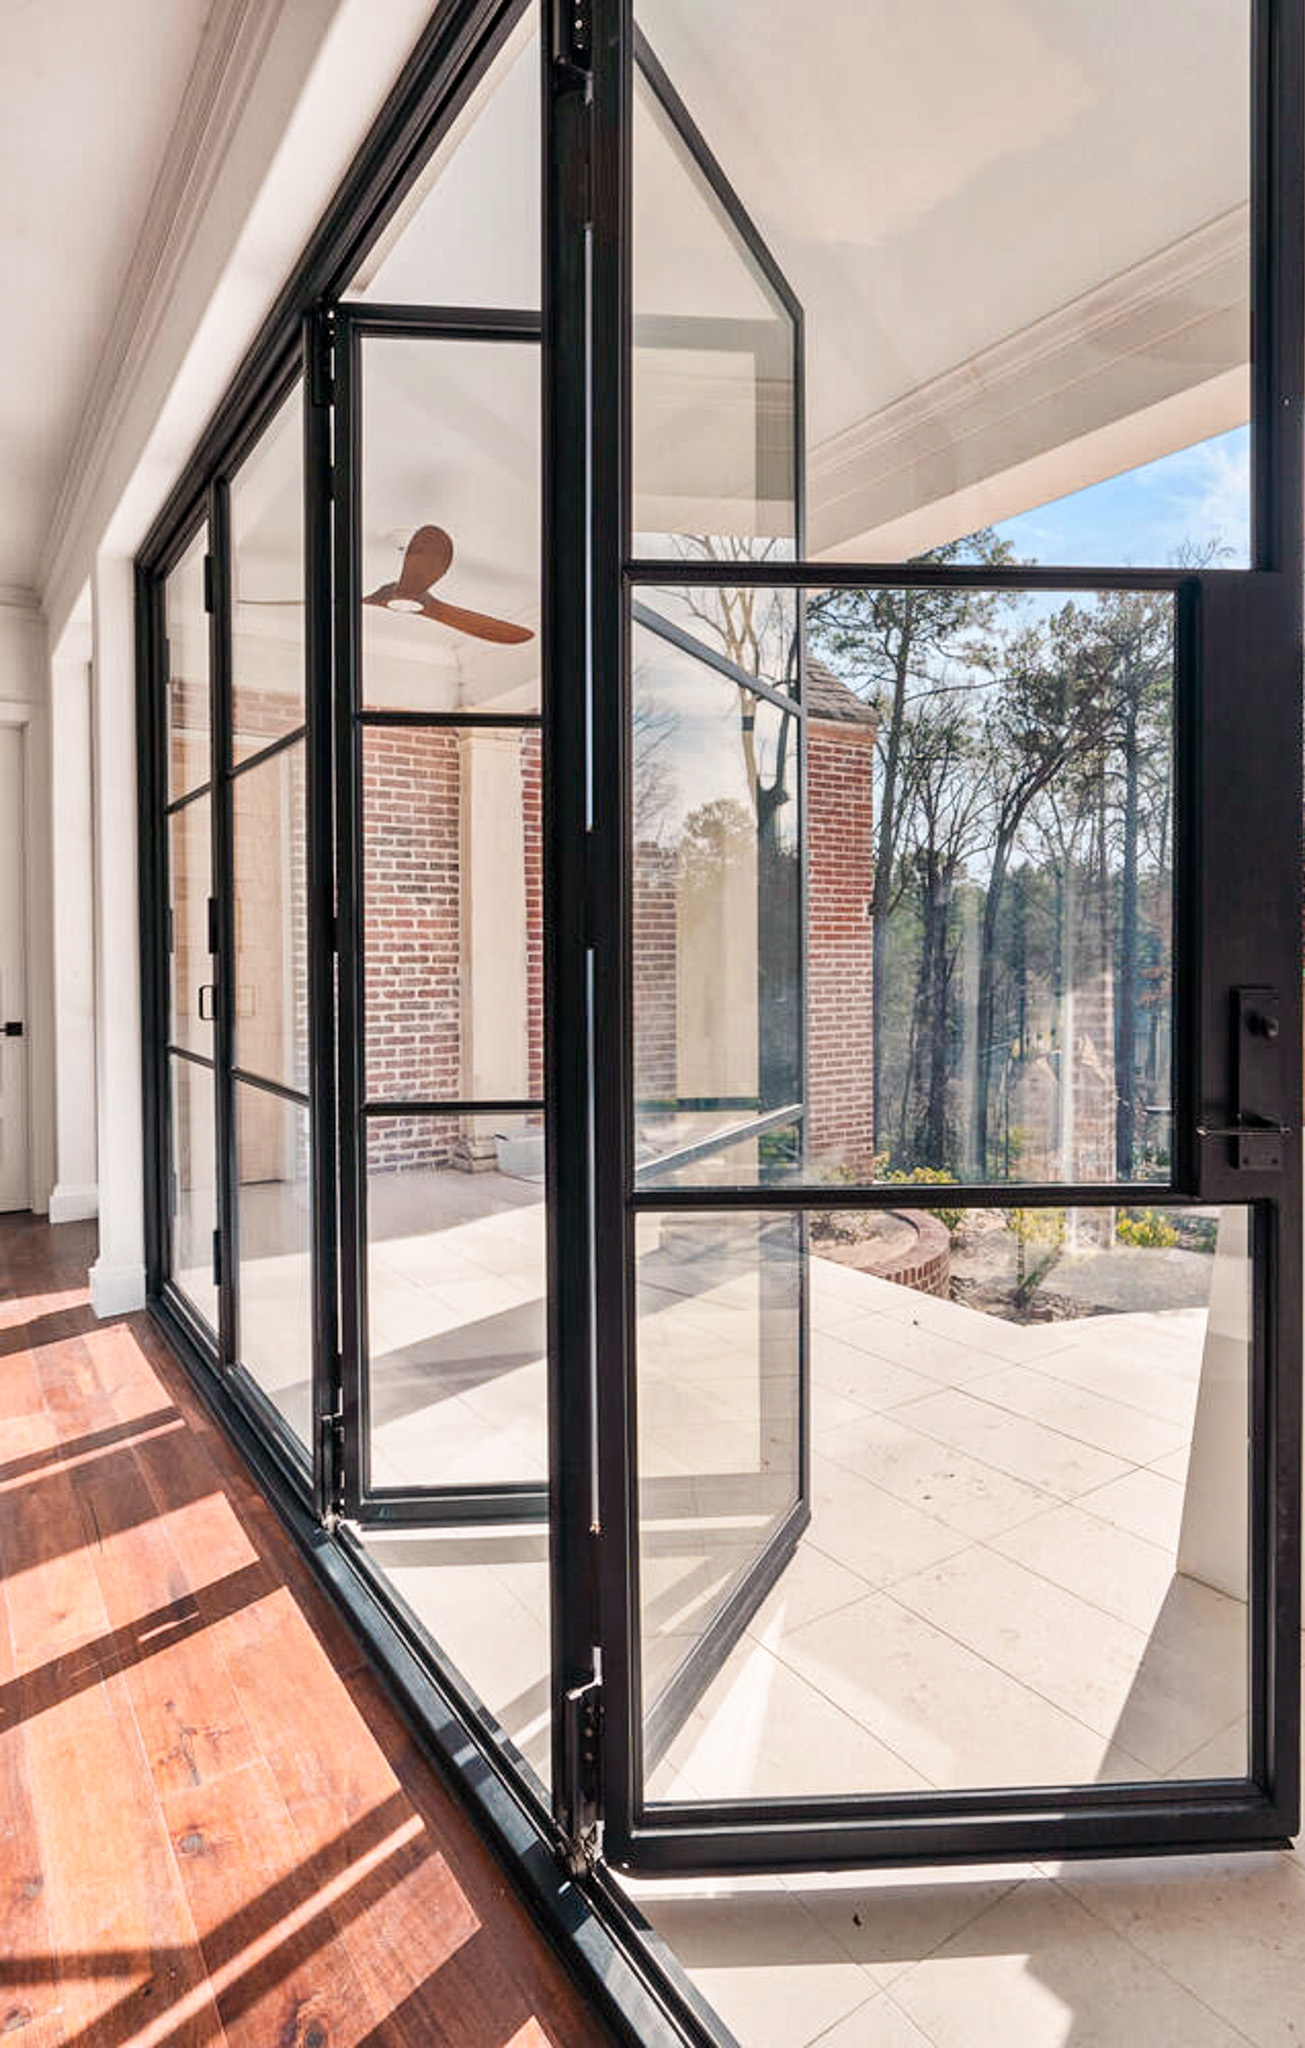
(713,369)
(194,1186)
(481,1592)
(186,630)
(190,853)
(450,539)
(267,585)
(467,230)
(987,991)
(453,914)
(716,910)
(1004,309)
(719,1375)
(456,1302)
(1027,1558)
(271,907)
(275,1237)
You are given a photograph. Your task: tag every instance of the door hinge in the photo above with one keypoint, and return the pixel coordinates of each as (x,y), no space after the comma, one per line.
(573,38)
(217,1258)
(583,1725)
(332,1426)
(208,583)
(213,925)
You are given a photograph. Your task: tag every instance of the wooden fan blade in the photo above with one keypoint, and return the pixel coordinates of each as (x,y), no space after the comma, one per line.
(383,595)
(426,559)
(477,623)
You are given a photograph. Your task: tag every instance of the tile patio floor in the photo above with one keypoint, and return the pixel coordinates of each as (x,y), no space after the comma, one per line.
(987,1595)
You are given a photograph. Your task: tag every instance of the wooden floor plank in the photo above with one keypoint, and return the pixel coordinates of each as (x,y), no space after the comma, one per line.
(214,1826)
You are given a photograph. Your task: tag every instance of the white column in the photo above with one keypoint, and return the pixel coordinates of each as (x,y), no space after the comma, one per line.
(118,1276)
(495,1047)
(75,1194)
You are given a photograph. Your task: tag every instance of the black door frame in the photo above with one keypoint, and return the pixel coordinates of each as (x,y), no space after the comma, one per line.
(358,1499)
(1236,926)
(584,324)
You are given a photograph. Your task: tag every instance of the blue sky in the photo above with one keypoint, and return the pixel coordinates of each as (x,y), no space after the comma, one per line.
(1143,518)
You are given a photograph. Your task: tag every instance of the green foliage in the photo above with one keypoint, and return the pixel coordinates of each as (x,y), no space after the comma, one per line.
(1145,1228)
(924,1177)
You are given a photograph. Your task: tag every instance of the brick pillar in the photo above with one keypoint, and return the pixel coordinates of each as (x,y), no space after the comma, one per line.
(840,943)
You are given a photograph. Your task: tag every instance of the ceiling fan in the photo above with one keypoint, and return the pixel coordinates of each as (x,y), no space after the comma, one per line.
(425,560)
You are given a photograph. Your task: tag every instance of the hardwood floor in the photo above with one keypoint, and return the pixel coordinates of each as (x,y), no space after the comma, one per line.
(213,1826)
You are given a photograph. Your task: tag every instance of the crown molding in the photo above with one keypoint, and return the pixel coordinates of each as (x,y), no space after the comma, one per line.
(1176,320)
(235,39)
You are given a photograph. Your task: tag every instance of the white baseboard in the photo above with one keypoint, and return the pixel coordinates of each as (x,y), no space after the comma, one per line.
(73,1205)
(115,1290)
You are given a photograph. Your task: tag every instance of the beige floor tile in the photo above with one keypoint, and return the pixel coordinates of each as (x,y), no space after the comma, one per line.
(869,1378)
(887,1920)
(1106,1565)
(1173,1465)
(1090,1417)
(878,2024)
(811,1585)
(1142,1502)
(1033,1972)
(926,1351)
(969,1496)
(1138,1380)
(1159,1701)
(948,1712)
(777,1979)
(1231,1929)
(762,1731)
(1027,1451)
(862,1527)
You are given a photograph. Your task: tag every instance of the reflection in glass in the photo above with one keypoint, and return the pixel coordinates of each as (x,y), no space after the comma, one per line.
(267,585)
(192,974)
(719,1362)
(274,1233)
(450,444)
(271,914)
(186,629)
(716,910)
(466,232)
(1027,1561)
(194,1186)
(713,368)
(455,1302)
(1015,883)
(452,914)
(1002,306)
(987,988)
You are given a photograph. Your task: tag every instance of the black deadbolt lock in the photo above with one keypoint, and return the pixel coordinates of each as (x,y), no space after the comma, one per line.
(14,1030)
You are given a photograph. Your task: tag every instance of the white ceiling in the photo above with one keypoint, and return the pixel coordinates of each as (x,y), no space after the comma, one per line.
(89,93)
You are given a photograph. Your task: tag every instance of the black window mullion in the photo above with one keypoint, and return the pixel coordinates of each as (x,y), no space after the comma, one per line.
(218,585)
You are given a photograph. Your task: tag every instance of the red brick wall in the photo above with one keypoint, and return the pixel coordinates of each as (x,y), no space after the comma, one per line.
(411,869)
(840,962)
(653,925)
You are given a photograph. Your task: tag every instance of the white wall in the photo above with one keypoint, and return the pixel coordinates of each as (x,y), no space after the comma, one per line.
(262,142)
(24,702)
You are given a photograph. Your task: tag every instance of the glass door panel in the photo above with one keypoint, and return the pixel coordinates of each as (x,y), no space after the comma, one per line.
(274,1238)
(935,1460)
(267,585)
(188,713)
(194,1186)
(445,960)
(1027,1560)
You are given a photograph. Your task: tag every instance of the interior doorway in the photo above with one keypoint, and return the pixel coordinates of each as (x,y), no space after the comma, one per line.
(15,1173)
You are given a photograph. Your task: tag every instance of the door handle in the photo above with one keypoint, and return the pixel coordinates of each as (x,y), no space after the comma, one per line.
(206,1016)
(14,1029)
